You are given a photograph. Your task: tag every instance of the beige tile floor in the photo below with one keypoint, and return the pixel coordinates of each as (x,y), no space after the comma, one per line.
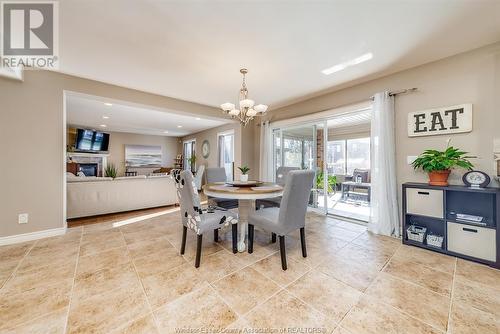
(100,279)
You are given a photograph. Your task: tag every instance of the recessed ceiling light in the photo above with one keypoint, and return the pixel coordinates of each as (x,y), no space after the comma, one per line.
(103,125)
(179,126)
(105,117)
(108,104)
(165,131)
(344,65)
(198,119)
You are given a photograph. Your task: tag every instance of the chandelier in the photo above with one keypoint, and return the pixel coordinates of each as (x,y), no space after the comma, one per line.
(247,108)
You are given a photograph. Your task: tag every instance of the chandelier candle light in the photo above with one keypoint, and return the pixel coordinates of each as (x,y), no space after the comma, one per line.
(248,110)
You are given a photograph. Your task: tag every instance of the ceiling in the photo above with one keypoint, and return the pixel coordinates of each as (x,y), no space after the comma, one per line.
(350,119)
(89,112)
(193,50)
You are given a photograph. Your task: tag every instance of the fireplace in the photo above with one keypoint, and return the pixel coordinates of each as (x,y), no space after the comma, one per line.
(90,169)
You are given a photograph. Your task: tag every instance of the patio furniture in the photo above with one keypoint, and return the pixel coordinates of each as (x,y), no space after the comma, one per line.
(352,188)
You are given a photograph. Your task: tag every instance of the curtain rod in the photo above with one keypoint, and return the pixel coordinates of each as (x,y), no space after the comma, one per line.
(394,93)
(398,92)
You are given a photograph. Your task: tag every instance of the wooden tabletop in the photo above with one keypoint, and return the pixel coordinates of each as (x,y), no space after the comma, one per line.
(263,188)
(222,190)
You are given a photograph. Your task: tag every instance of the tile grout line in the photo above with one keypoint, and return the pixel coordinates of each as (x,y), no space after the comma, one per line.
(363,293)
(73,284)
(416,285)
(398,309)
(227,304)
(311,306)
(451,295)
(141,283)
(50,285)
(12,274)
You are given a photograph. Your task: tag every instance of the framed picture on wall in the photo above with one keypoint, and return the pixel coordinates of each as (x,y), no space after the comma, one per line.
(143,156)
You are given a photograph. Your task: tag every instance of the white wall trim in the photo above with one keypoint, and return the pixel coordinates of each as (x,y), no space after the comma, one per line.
(14,239)
(12,73)
(65,134)
(320,115)
(225,133)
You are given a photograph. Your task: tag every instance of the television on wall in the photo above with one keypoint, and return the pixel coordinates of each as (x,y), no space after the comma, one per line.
(91,141)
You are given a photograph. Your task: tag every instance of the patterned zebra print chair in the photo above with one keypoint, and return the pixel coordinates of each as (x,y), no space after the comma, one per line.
(198,220)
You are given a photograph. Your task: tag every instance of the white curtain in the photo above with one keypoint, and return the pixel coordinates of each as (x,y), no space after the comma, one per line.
(265,152)
(384,216)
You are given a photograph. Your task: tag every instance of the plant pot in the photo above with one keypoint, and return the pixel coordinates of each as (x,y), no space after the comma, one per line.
(244,177)
(439,177)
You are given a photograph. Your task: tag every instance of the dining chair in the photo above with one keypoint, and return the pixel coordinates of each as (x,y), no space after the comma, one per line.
(281,177)
(290,216)
(193,217)
(218,174)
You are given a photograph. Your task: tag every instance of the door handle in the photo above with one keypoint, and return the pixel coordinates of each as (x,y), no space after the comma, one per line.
(469,230)
(423,193)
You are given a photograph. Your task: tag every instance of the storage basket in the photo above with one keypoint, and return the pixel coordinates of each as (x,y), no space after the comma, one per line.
(416,233)
(435,240)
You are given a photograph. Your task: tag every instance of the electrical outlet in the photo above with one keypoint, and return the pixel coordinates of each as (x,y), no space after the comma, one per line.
(410,159)
(23,218)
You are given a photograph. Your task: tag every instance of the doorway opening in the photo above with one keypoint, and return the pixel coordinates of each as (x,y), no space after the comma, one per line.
(189,152)
(225,145)
(337,148)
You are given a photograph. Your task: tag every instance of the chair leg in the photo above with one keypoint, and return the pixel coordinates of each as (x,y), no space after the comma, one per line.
(273,238)
(303,241)
(183,243)
(235,238)
(216,235)
(250,238)
(283,252)
(198,250)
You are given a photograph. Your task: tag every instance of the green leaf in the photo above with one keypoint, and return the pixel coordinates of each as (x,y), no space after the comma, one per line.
(434,160)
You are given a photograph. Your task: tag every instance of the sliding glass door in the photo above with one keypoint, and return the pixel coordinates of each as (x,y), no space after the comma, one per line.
(297,147)
(348,165)
(338,150)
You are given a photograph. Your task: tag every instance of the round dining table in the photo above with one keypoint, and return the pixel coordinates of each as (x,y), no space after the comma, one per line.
(246,196)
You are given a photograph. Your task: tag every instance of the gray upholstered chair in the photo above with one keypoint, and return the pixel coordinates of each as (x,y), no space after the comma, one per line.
(281,177)
(290,216)
(219,175)
(196,219)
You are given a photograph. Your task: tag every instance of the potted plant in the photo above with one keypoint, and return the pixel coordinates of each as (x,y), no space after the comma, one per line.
(438,164)
(332,182)
(244,173)
(111,171)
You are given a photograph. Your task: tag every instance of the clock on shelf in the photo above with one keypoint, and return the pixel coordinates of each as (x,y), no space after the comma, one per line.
(205,149)
(476,179)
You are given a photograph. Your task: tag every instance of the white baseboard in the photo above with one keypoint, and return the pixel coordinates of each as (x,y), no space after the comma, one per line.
(14,239)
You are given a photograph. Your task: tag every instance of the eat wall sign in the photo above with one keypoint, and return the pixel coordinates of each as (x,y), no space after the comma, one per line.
(440,121)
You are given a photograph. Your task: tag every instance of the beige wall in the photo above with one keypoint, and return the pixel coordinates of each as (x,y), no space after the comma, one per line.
(118,141)
(472,77)
(32,166)
(244,142)
(211,136)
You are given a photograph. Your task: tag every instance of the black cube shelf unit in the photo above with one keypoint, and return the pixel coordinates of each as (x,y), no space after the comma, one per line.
(435,208)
